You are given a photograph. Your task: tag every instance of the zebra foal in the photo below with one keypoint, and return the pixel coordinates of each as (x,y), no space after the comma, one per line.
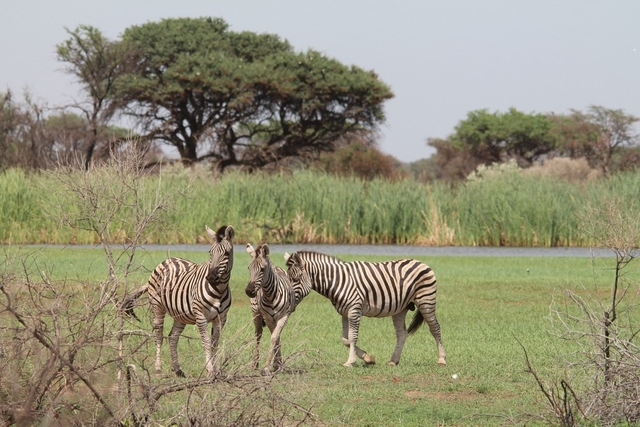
(272,301)
(372,289)
(192,294)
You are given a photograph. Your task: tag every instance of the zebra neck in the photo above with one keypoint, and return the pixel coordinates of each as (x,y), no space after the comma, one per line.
(300,292)
(268,285)
(218,287)
(322,278)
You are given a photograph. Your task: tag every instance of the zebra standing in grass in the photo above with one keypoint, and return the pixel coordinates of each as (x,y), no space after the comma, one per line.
(272,301)
(192,294)
(371,289)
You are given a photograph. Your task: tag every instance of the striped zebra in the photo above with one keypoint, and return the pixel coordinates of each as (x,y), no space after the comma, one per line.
(192,294)
(371,289)
(272,301)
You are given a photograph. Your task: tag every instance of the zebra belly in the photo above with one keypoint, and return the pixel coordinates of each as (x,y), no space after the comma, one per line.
(390,309)
(185,318)
(189,318)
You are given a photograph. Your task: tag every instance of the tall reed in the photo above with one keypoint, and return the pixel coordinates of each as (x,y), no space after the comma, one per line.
(510,208)
(513,209)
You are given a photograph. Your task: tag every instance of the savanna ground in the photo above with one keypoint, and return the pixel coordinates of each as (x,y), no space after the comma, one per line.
(490,311)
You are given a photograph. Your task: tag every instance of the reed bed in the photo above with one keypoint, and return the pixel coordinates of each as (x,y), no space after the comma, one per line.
(512,209)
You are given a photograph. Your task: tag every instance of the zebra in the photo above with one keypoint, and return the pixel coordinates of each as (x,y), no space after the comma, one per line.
(192,294)
(372,289)
(272,301)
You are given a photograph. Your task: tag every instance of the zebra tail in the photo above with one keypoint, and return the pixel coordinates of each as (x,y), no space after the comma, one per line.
(129,302)
(417,321)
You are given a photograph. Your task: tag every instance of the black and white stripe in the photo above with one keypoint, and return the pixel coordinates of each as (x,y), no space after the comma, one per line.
(272,301)
(371,289)
(192,294)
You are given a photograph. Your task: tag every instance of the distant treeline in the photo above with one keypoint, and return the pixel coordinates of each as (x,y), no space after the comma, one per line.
(500,207)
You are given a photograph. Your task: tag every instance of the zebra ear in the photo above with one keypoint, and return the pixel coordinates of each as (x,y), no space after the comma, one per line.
(291,259)
(229,233)
(219,235)
(251,251)
(210,232)
(265,250)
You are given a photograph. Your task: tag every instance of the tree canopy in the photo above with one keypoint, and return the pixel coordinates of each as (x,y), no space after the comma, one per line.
(241,98)
(614,132)
(484,138)
(497,137)
(97,63)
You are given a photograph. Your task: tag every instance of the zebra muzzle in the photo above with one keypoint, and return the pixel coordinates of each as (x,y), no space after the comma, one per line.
(250,290)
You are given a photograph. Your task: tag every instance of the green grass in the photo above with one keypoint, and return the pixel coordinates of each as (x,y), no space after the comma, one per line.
(511,210)
(485,306)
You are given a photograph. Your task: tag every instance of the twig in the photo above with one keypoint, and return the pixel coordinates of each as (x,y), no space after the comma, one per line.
(38,336)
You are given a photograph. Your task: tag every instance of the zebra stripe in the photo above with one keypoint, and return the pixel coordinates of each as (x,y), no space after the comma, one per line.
(272,301)
(372,289)
(192,294)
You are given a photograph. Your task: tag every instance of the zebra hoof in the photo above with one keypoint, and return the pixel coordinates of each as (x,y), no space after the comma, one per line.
(369,359)
(266,372)
(392,363)
(442,362)
(349,364)
(180,374)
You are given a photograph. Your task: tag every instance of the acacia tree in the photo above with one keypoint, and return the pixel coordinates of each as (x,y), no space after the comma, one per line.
(360,159)
(67,134)
(23,133)
(486,138)
(243,98)
(97,63)
(615,132)
(497,137)
(10,116)
(452,163)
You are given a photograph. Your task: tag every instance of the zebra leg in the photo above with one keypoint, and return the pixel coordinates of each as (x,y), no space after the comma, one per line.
(278,362)
(158,329)
(258,325)
(174,336)
(274,347)
(353,321)
(369,359)
(216,330)
(401,336)
(209,342)
(429,313)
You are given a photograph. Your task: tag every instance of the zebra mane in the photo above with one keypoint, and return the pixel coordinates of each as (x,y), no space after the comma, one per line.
(221,232)
(226,231)
(318,255)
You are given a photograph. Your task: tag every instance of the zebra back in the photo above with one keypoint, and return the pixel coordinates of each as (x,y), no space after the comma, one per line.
(383,288)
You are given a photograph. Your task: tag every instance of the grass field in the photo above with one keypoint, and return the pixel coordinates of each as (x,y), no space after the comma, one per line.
(485,306)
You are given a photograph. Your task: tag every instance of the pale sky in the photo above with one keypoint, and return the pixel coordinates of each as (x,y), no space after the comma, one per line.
(442,59)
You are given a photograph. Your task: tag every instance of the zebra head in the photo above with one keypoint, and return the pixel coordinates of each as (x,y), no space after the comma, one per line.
(257,266)
(221,255)
(298,275)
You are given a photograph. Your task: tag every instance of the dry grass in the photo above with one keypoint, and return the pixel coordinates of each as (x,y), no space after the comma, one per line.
(572,170)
